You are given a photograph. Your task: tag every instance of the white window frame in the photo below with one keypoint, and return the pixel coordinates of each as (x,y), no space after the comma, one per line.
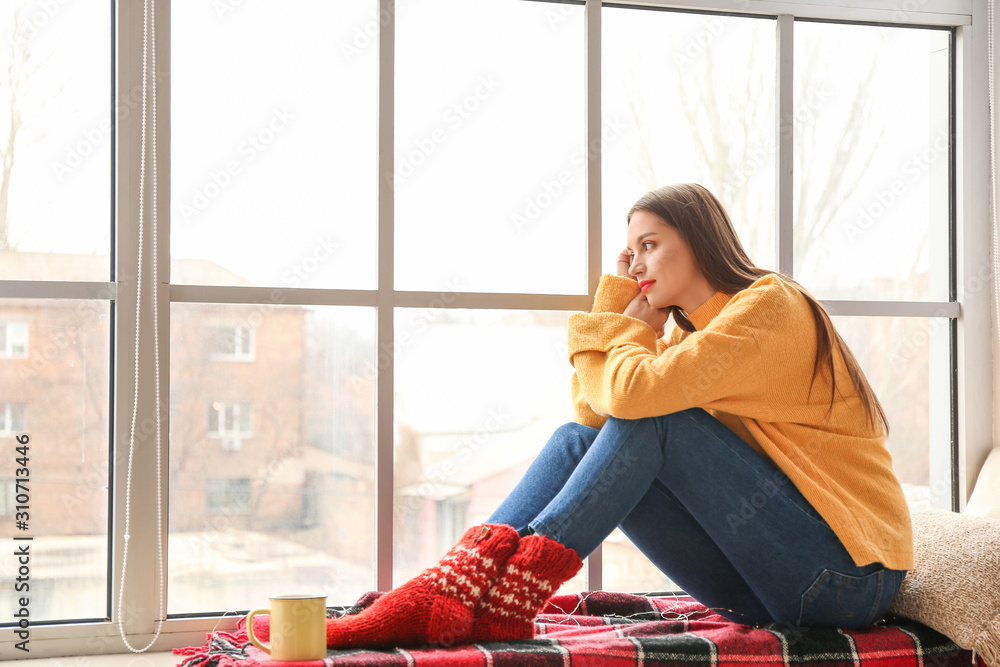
(14,331)
(239,410)
(968,309)
(236,331)
(7,428)
(226,487)
(8,497)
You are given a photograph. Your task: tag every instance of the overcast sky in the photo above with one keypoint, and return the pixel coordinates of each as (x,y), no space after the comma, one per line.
(273,166)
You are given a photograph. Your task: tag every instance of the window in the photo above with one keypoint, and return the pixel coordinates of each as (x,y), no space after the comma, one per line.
(687,116)
(379,290)
(232,342)
(11,419)
(230,420)
(13,339)
(453,519)
(8,497)
(228,496)
(57,298)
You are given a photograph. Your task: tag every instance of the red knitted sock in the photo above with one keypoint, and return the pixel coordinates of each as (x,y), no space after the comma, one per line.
(436,606)
(530,577)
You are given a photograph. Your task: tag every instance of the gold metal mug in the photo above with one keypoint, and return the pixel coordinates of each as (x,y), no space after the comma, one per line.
(298,627)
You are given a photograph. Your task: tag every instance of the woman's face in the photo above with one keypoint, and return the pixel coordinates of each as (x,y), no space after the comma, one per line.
(664,264)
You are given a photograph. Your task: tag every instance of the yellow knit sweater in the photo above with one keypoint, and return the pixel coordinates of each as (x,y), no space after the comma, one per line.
(750,364)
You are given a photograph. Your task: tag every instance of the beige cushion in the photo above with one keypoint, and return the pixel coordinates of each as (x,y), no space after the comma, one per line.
(985,499)
(954,586)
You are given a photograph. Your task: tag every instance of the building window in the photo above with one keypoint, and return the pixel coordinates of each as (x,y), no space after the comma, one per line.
(7,494)
(14,340)
(232,422)
(228,496)
(453,514)
(232,342)
(11,418)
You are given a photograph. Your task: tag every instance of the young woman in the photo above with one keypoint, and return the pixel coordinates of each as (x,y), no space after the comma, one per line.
(744,454)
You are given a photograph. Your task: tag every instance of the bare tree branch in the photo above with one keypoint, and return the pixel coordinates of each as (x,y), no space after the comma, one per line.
(22,110)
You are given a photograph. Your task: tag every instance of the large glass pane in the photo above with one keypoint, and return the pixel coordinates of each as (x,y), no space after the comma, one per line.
(872,144)
(490,147)
(478,393)
(55,140)
(271,454)
(907,362)
(273,111)
(627,569)
(54,380)
(689,98)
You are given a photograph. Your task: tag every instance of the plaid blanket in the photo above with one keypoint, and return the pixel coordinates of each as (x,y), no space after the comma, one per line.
(617,629)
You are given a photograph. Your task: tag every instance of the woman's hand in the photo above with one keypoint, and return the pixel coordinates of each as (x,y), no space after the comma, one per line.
(640,309)
(624,262)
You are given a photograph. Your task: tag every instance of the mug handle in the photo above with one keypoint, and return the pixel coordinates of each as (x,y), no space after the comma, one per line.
(253,640)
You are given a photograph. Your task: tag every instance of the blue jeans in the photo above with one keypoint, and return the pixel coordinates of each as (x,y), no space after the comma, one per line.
(708,510)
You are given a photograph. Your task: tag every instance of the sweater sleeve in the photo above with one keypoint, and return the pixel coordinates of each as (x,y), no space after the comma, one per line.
(582,412)
(624,373)
(675,336)
(614,293)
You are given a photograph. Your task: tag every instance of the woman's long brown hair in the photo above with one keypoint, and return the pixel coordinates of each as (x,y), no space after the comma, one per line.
(700,218)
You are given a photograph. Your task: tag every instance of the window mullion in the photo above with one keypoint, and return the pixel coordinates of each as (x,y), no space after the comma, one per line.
(384,387)
(592,72)
(784,160)
(930,12)
(141,603)
(972,254)
(56,289)
(592,65)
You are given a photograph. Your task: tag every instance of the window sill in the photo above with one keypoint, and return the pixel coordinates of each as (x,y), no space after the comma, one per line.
(158,659)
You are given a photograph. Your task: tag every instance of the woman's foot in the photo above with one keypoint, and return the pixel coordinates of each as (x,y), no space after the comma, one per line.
(530,577)
(437,606)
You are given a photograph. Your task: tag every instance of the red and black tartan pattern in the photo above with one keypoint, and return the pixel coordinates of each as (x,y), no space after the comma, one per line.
(622,630)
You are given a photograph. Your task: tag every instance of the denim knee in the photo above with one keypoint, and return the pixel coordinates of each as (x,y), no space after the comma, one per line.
(575,430)
(663,422)
(568,444)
